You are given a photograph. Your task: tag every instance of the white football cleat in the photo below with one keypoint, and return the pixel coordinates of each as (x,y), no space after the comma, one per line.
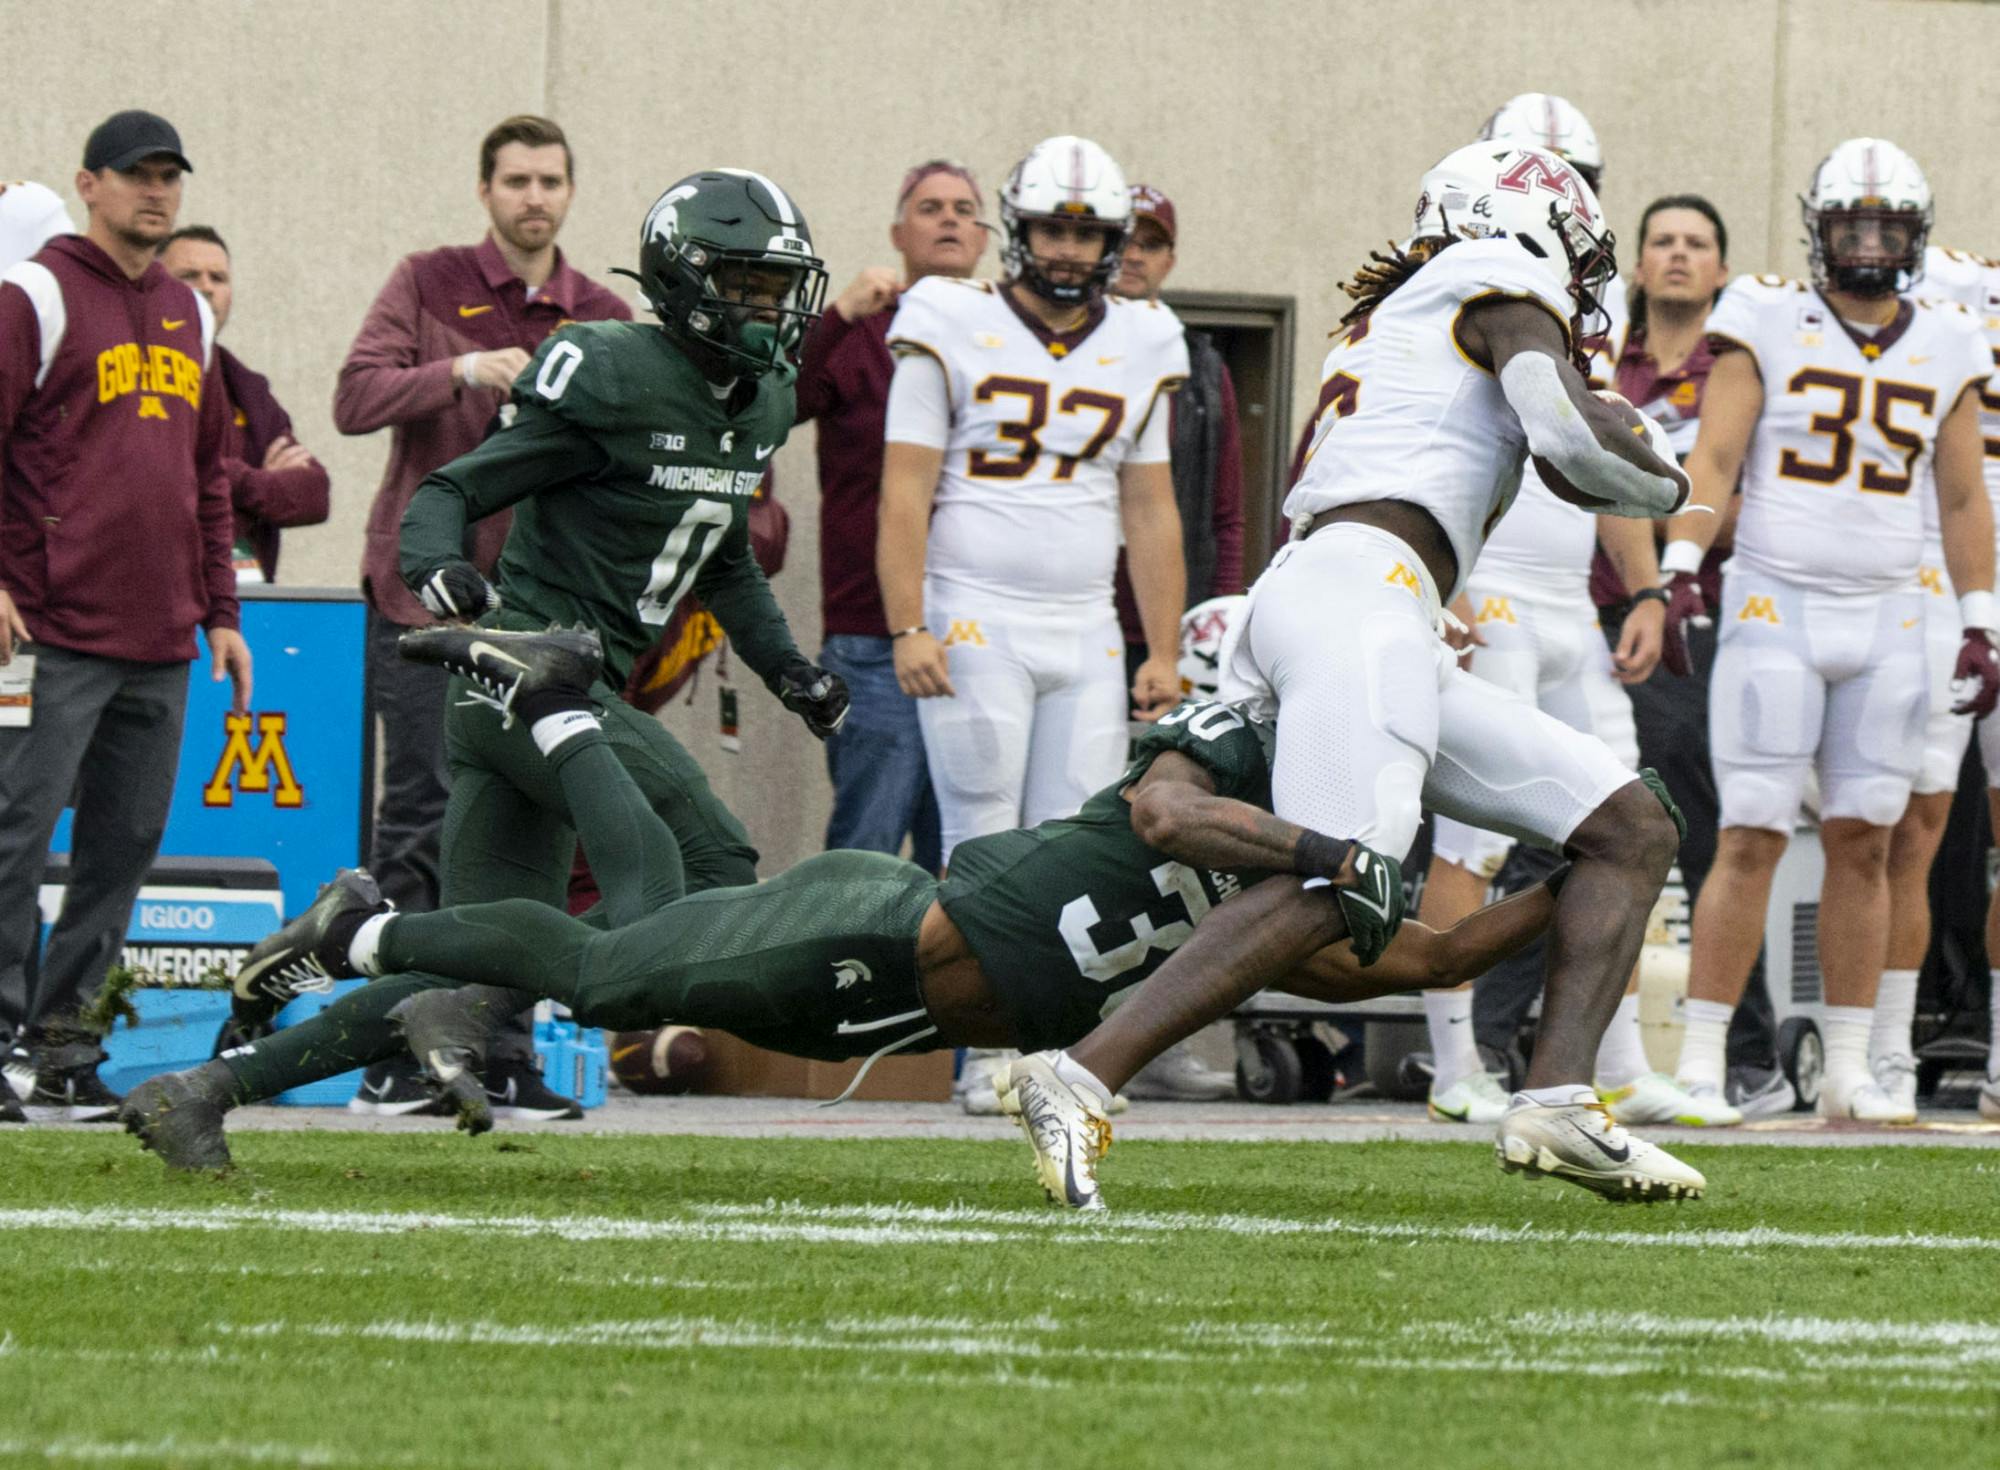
(1065,1126)
(1989,1098)
(1580,1142)
(1658,1098)
(1896,1075)
(1865,1102)
(1476,1098)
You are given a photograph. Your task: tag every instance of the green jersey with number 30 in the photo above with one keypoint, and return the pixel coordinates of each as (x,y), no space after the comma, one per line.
(632,481)
(1066,915)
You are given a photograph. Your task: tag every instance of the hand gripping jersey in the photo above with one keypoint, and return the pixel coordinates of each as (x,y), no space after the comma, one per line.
(1066,915)
(1406,415)
(1834,480)
(633,480)
(1027,504)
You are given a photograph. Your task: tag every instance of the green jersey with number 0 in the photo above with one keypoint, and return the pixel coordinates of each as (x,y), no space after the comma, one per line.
(1066,915)
(631,480)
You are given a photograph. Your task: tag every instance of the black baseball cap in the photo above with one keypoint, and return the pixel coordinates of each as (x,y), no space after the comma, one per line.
(124,138)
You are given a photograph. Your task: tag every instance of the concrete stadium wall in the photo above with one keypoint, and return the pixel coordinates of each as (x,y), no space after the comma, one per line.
(331,140)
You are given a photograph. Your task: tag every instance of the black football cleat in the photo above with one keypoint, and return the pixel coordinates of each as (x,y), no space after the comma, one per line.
(505,666)
(178,1116)
(310,953)
(446,1031)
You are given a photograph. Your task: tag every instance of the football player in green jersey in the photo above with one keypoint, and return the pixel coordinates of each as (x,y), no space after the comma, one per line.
(629,453)
(1026,945)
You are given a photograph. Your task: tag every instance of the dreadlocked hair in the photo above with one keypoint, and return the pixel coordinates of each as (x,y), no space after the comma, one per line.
(1377,278)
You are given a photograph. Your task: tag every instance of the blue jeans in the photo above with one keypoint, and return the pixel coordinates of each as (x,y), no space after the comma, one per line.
(881,785)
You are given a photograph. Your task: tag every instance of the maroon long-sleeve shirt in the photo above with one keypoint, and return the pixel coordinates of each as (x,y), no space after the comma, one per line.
(401,374)
(115,521)
(266,501)
(844,372)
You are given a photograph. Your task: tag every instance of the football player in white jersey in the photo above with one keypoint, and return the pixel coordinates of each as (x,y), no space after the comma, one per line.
(1833,401)
(1027,430)
(1534,630)
(1456,360)
(1973,282)
(31,215)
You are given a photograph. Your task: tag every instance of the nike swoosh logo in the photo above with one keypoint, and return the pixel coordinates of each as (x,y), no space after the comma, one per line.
(1107,361)
(1925,358)
(443,1070)
(1618,1155)
(764,451)
(474,310)
(483,647)
(1911,622)
(171,325)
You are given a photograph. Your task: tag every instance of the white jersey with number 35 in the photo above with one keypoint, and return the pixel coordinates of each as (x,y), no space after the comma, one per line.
(1034,429)
(1404,414)
(1836,476)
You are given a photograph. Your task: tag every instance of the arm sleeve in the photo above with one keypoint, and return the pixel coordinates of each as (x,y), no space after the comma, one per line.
(382,382)
(1558,432)
(732,586)
(817,392)
(919,406)
(537,452)
(1228,522)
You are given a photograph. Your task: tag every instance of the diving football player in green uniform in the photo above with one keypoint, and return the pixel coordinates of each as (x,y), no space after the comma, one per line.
(1026,945)
(629,454)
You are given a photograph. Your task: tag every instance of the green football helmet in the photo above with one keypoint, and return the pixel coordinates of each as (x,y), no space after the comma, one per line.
(727,264)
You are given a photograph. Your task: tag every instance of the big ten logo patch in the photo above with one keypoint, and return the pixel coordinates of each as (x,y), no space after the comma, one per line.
(1757,609)
(964,631)
(1401,576)
(1496,610)
(264,766)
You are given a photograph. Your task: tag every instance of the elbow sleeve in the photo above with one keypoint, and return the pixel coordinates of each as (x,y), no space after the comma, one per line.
(1559,433)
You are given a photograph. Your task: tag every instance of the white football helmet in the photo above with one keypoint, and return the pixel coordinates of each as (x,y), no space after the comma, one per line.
(1544,120)
(1203,628)
(1868,217)
(1488,191)
(1068,179)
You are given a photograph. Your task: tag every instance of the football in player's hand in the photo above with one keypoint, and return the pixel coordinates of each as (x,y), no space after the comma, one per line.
(1560,487)
(673,1059)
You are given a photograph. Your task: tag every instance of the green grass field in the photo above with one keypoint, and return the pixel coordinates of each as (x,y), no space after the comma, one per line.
(425,1300)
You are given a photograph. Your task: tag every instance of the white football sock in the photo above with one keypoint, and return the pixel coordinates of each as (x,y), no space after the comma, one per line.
(1845,1029)
(1567,1095)
(1702,1048)
(1082,1079)
(552,730)
(1621,1056)
(1454,1050)
(1895,1011)
(364,949)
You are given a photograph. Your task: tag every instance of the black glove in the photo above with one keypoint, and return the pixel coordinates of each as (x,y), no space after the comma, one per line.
(457,591)
(814,695)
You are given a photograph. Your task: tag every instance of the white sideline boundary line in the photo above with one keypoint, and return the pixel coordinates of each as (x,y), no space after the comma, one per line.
(877,1225)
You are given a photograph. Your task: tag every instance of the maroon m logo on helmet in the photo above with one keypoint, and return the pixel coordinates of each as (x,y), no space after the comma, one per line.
(1532,170)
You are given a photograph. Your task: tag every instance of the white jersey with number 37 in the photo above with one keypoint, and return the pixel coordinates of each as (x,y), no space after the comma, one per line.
(1034,429)
(1835,478)
(1405,415)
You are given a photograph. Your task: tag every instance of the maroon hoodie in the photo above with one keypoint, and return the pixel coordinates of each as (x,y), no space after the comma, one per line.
(115,520)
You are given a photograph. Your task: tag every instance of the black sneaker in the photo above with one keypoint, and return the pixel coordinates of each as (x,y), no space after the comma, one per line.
(310,953)
(71,1095)
(395,1089)
(509,665)
(515,1090)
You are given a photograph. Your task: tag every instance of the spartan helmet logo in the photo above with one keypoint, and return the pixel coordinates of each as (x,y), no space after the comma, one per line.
(850,972)
(728,440)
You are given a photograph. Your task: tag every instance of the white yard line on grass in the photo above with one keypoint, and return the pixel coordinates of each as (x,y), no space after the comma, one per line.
(877,1225)
(191,1451)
